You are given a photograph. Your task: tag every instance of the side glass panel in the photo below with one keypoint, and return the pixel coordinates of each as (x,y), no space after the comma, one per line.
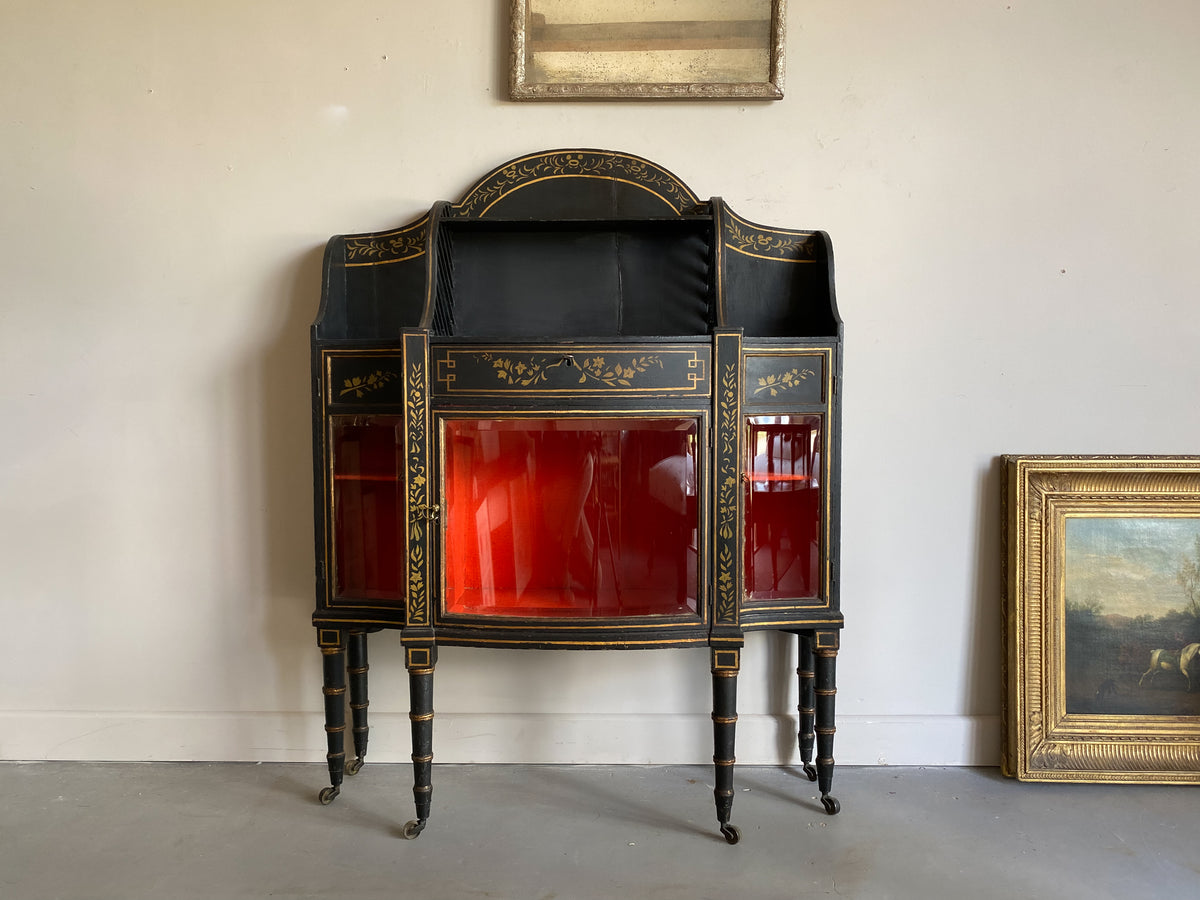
(557,517)
(783,506)
(369,537)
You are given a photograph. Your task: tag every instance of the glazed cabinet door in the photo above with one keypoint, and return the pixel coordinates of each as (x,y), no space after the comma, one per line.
(789,482)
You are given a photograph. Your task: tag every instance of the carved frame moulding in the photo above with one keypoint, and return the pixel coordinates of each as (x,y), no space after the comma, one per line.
(1102,618)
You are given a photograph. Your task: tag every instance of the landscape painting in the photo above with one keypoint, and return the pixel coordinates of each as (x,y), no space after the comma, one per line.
(647,48)
(1132,615)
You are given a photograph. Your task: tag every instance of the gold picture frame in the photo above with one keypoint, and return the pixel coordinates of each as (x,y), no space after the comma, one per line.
(1102,618)
(644,49)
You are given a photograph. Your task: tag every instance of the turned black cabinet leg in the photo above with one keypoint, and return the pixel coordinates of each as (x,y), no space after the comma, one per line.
(724,716)
(358,668)
(807,706)
(420,687)
(333,655)
(826,693)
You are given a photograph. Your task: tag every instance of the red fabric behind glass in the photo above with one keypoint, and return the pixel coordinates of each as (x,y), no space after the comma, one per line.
(570,517)
(783,508)
(370,543)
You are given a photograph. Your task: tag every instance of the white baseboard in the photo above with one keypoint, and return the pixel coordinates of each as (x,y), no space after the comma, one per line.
(486,738)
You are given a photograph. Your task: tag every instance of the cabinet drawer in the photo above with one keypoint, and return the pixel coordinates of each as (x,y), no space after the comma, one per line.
(552,369)
(363,377)
(785,377)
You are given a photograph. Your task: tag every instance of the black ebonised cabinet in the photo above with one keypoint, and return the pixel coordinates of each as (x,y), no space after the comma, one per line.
(580,408)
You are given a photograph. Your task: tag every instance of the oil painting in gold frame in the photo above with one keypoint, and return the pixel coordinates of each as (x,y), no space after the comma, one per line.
(1102,619)
(621,49)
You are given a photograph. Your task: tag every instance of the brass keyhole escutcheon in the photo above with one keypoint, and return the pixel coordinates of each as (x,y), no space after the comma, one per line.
(428,513)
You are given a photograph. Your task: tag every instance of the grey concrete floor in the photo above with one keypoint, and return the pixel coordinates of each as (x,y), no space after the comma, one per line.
(133,830)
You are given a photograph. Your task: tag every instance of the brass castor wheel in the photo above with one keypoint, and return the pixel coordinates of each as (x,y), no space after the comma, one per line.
(353,768)
(811,771)
(831,805)
(327,794)
(731,833)
(413,828)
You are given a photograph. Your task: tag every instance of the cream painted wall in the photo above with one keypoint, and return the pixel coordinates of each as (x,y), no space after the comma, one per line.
(1012,191)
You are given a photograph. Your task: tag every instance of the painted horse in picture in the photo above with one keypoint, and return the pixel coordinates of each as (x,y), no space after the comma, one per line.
(1167,661)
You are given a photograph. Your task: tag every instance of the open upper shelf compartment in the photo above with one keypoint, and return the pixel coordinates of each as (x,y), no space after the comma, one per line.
(569,244)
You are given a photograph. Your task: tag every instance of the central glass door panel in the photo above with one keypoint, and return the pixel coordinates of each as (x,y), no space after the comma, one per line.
(565,518)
